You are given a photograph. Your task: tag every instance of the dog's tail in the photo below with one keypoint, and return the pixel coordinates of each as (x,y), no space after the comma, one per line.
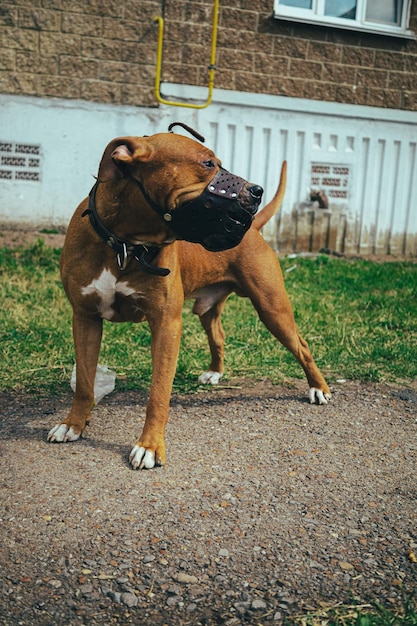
(272,207)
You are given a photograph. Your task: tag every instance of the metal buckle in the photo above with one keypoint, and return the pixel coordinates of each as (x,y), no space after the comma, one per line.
(122,262)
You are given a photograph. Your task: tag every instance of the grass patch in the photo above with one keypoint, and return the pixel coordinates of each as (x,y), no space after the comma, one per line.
(361,615)
(359,317)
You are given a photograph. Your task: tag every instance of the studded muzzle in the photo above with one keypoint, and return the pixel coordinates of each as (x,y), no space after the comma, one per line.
(218,218)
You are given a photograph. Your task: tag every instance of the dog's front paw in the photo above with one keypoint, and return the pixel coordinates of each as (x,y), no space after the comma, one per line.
(322,397)
(142,458)
(209,378)
(61,433)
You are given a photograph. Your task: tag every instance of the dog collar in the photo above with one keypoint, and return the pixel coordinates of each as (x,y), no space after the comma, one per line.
(124,249)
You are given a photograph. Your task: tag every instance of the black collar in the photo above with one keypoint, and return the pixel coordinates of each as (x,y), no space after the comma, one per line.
(124,249)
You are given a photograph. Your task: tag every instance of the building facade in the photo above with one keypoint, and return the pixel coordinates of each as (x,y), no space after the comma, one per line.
(331,86)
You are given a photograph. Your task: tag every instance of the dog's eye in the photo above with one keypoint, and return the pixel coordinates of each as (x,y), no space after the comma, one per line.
(209,164)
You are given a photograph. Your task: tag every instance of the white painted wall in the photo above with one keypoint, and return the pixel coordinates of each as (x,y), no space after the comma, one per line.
(251,133)
(72,136)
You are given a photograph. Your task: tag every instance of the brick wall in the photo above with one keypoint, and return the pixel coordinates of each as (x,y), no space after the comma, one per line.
(105,51)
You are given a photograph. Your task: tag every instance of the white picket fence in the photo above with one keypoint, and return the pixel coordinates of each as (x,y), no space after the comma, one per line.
(363,158)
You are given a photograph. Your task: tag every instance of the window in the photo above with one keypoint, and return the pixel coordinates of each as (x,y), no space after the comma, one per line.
(388,17)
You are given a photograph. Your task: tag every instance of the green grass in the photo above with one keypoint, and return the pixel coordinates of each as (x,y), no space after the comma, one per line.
(359,317)
(361,615)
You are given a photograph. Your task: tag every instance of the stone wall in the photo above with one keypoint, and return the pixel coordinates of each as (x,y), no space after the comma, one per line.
(105,51)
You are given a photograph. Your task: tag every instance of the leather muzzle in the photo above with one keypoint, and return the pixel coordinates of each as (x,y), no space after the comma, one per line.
(216,218)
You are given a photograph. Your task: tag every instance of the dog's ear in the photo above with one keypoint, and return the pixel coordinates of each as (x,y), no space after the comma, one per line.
(121,152)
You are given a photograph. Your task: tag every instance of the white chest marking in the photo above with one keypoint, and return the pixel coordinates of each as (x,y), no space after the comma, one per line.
(106,287)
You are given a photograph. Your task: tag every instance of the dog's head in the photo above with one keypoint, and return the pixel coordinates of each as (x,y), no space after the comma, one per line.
(186,185)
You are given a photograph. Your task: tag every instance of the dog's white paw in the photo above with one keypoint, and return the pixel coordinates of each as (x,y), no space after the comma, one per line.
(317,394)
(209,378)
(142,458)
(61,434)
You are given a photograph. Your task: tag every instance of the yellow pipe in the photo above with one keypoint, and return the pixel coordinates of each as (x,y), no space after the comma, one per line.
(212,68)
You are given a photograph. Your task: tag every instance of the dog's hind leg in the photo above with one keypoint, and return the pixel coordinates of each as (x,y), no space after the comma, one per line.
(267,292)
(211,322)
(87,339)
(278,318)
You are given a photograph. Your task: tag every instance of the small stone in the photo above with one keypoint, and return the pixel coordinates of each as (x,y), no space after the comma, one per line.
(242,607)
(56,584)
(346,567)
(129,599)
(105,590)
(258,604)
(172,600)
(115,596)
(126,589)
(186,578)
(148,558)
(191,607)
(224,552)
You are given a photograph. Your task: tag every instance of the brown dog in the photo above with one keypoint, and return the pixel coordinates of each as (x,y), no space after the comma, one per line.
(151,192)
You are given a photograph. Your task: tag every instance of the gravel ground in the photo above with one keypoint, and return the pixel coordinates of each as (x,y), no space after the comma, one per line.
(267,508)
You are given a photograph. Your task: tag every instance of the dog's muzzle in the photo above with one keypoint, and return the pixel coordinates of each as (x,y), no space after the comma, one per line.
(218,218)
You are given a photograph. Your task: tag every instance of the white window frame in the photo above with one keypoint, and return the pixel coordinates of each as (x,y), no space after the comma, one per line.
(315,15)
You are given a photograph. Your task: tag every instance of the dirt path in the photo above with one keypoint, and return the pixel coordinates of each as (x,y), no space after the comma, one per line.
(12,237)
(267,507)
